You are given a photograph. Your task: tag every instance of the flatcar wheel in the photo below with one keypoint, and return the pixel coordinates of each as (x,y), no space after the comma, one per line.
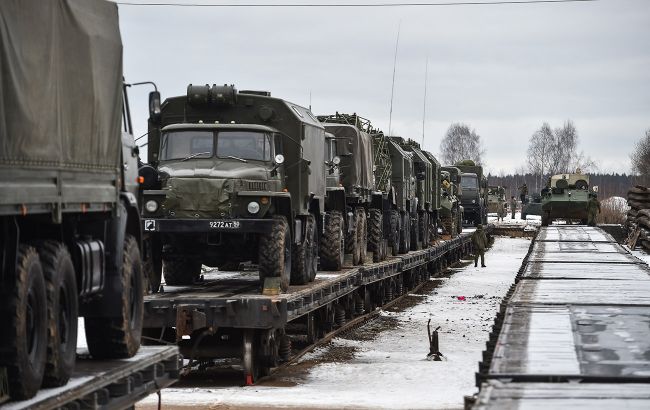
(251,362)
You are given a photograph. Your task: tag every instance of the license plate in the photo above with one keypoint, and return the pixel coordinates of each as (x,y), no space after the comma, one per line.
(224,224)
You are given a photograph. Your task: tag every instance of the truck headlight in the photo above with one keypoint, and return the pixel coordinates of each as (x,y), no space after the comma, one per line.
(151,206)
(253,207)
(473,201)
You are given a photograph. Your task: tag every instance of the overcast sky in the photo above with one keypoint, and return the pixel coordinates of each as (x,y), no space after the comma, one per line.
(503,70)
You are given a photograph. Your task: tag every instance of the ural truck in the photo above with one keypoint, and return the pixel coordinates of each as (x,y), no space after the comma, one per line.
(474,196)
(238,177)
(69,221)
(424,171)
(566,198)
(356,194)
(451,212)
(436,196)
(403,184)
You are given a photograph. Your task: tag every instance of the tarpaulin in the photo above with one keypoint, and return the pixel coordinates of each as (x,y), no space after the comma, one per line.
(356,169)
(60,84)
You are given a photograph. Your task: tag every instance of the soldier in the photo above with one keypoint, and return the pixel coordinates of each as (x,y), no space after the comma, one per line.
(523,191)
(593,208)
(480,242)
(513,206)
(501,209)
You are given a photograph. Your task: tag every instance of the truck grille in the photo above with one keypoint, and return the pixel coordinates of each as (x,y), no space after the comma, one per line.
(256,186)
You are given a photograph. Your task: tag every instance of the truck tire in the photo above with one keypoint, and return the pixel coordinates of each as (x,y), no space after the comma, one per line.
(423,225)
(395,231)
(415,233)
(274,257)
(305,255)
(362,234)
(332,247)
(25,309)
(119,337)
(181,271)
(62,312)
(352,240)
(375,234)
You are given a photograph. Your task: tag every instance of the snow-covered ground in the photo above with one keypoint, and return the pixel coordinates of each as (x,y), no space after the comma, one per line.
(389,370)
(532,222)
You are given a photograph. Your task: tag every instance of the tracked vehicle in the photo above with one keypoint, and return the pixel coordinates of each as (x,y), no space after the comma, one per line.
(237,176)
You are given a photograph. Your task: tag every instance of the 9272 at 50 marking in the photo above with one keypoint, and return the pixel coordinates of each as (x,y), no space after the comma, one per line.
(224,224)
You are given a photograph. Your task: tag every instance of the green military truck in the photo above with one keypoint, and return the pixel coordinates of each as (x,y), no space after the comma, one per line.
(475,194)
(403,183)
(451,212)
(237,176)
(496,194)
(69,221)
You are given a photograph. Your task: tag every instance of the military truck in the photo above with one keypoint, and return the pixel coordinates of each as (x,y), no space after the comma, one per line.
(69,221)
(474,195)
(566,198)
(240,177)
(533,207)
(356,195)
(403,183)
(425,172)
(451,212)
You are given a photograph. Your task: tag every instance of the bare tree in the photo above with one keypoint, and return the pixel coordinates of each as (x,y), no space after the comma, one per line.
(459,143)
(641,155)
(541,152)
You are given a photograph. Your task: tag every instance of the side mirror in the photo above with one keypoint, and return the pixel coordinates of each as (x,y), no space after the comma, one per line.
(154,106)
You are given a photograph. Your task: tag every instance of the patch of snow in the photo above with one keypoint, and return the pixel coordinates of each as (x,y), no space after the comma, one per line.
(392,371)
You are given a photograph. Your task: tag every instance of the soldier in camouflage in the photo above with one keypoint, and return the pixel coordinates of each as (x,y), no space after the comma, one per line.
(593,208)
(513,206)
(480,243)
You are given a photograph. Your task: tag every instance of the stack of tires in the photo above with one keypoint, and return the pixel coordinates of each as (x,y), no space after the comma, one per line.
(638,216)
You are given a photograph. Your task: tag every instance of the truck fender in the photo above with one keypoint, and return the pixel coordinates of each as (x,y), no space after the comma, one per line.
(10,240)
(133,226)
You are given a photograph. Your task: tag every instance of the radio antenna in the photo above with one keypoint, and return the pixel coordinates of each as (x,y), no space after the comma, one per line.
(424,109)
(392,89)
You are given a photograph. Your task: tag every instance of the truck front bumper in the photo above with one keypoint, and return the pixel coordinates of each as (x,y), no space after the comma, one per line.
(207,225)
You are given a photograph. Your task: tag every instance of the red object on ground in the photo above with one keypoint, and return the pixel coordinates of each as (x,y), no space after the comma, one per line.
(249,380)
(461,298)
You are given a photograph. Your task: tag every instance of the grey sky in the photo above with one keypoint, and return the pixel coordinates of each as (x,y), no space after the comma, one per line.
(502,69)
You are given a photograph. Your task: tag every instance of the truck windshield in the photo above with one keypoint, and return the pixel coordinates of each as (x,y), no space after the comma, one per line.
(469,182)
(187,143)
(248,145)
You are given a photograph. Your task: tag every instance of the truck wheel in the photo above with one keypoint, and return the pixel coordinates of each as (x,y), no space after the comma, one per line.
(119,337)
(305,255)
(332,247)
(25,309)
(375,234)
(395,232)
(352,240)
(274,258)
(423,230)
(415,232)
(62,312)
(362,235)
(181,271)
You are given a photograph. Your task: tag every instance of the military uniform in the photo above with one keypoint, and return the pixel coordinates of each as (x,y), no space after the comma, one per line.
(480,242)
(501,209)
(593,208)
(523,191)
(513,206)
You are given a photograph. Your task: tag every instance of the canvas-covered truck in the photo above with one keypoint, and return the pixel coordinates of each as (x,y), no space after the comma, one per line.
(356,195)
(404,185)
(475,193)
(69,221)
(235,177)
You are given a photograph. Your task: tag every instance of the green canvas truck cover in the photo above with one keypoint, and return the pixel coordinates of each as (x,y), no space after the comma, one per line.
(60,84)
(356,169)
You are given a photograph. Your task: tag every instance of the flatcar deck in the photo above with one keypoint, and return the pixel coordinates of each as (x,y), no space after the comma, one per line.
(578,315)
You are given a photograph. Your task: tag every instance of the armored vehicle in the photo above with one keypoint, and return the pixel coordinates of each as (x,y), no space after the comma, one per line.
(69,221)
(566,198)
(451,212)
(474,195)
(533,207)
(496,194)
(404,187)
(240,177)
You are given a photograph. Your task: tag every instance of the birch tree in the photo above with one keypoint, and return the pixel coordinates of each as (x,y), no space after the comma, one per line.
(460,143)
